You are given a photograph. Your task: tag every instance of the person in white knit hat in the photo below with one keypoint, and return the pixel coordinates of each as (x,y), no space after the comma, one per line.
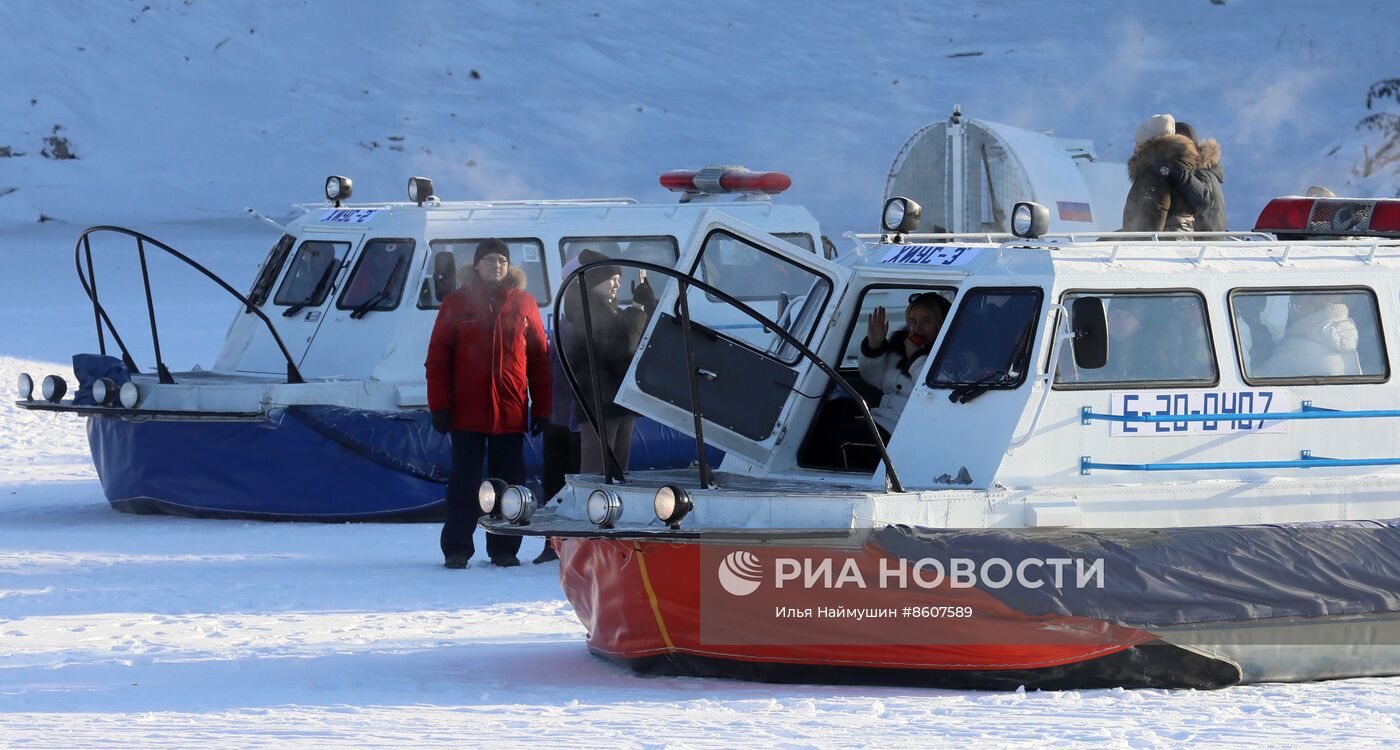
(1160,156)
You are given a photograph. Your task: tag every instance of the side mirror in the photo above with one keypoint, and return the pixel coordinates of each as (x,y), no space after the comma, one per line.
(1030,220)
(1089,322)
(444,275)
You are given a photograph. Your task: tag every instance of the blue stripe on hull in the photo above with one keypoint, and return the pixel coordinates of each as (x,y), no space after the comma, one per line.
(320,463)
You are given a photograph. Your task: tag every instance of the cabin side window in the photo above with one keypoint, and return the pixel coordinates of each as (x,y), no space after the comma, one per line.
(788,294)
(1309,336)
(989,344)
(661,250)
(271,268)
(801,239)
(308,281)
(378,279)
(526,254)
(1154,338)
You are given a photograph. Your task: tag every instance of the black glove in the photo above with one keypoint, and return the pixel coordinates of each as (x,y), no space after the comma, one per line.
(442,421)
(644,295)
(1173,173)
(537,425)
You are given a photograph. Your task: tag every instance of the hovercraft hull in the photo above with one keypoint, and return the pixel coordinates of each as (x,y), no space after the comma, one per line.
(303,463)
(1199,608)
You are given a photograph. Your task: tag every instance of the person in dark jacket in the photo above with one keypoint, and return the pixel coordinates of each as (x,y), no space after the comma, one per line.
(488,381)
(1202,188)
(1161,156)
(615,334)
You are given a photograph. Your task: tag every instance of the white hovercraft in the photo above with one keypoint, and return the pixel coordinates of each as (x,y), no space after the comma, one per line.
(320,382)
(1130,460)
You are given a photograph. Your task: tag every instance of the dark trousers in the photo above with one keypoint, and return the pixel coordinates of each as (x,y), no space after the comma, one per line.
(619,436)
(505,459)
(560,457)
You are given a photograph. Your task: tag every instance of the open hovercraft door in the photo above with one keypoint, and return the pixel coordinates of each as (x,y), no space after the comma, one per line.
(747,375)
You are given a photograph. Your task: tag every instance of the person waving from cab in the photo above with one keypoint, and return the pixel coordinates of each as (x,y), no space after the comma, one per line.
(488,382)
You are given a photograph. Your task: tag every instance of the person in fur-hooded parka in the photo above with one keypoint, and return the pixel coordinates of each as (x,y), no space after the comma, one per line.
(1153,204)
(1202,188)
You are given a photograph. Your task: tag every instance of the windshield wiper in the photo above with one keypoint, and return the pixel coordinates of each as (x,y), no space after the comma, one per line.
(965,392)
(365,307)
(315,292)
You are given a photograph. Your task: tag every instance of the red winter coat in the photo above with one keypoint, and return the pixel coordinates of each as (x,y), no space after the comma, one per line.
(486,353)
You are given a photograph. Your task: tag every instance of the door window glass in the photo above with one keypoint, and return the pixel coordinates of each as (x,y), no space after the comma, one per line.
(784,292)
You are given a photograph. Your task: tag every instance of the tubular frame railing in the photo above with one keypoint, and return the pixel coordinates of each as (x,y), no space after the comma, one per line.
(82,250)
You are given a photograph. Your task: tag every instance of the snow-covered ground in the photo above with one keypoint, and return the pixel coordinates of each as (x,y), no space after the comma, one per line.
(166,632)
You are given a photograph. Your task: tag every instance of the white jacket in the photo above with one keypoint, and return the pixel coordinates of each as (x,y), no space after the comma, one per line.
(882,371)
(1320,344)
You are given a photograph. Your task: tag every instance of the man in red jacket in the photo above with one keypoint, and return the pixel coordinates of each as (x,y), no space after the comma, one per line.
(488,380)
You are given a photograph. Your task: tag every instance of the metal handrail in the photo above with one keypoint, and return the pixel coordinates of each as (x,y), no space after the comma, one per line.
(1307,461)
(1309,412)
(84,245)
(685,281)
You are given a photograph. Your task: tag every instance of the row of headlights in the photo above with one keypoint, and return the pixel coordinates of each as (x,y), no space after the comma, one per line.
(670,504)
(105,391)
(516,503)
(339,188)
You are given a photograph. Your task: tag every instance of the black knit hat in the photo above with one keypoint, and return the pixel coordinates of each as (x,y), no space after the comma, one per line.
(490,247)
(1184,128)
(600,273)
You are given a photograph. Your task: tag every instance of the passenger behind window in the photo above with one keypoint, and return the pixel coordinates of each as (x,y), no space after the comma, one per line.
(1320,340)
(840,436)
(890,363)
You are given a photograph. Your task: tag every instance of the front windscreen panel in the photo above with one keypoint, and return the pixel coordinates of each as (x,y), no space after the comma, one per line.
(378,279)
(1309,336)
(271,267)
(312,272)
(659,250)
(989,344)
(784,292)
(1160,338)
(526,255)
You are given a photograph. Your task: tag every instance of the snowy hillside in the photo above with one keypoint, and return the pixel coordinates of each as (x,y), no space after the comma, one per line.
(186,109)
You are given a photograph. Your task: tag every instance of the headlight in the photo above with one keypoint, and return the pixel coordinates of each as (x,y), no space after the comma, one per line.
(419,189)
(672,504)
(1029,219)
(901,215)
(488,496)
(604,508)
(129,395)
(53,388)
(517,504)
(26,387)
(104,391)
(338,188)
